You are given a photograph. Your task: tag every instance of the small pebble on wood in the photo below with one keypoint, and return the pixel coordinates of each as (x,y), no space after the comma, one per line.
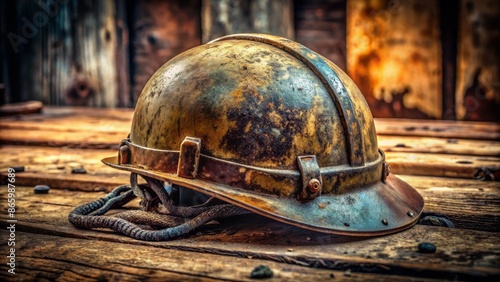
(41,189)
(79,170)
(261,272)
(427,248)
(347,273)
(19,168)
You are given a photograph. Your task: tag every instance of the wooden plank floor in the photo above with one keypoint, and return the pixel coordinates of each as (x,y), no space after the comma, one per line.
(437,158)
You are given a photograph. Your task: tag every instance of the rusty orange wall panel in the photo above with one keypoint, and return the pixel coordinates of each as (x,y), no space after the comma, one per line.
(478,70)
(394,56)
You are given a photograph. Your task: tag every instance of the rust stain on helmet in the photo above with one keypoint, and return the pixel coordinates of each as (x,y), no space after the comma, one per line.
(257,104)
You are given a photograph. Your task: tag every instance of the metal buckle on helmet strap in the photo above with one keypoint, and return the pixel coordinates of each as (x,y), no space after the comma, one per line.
(124,152)
(311,177)
(189,157)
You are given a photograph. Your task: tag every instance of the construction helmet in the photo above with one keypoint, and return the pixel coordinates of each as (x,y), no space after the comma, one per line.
(264,123)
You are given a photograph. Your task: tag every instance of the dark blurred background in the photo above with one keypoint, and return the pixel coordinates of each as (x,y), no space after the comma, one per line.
(410,58)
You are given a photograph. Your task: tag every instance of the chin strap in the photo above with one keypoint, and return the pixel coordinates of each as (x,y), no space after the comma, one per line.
(162,226)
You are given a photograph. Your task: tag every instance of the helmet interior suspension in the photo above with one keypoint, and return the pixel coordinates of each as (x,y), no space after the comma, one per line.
(176,222)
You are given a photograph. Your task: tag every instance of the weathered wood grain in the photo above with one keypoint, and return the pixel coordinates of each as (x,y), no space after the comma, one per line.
(53,113)
(391,43)
(260,238)
(463,166)
(223,17)
(68,127)
(76,119)
(41,256)
(68,56)
(438,128)
(470,204)
(432,145)
(53,166)
(74,182)
(55,138)
(28,107)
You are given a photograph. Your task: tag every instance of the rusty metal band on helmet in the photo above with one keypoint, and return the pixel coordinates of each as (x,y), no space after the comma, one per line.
(239,175)
(330,80)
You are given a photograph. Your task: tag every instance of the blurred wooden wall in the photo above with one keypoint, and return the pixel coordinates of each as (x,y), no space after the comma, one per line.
(160,30)
(223,17)
(478,73)
(65,52)
(321,26)
(411,58)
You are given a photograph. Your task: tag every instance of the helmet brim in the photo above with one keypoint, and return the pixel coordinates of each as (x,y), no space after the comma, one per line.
(376,209)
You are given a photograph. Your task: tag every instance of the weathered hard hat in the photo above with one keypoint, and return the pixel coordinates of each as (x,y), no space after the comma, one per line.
(264,123)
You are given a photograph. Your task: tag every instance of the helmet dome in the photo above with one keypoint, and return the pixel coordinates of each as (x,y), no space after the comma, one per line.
(264,123)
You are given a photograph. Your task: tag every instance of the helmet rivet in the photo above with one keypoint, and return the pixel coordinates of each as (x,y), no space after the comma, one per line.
(410,214)
(314,185)
(385,222)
